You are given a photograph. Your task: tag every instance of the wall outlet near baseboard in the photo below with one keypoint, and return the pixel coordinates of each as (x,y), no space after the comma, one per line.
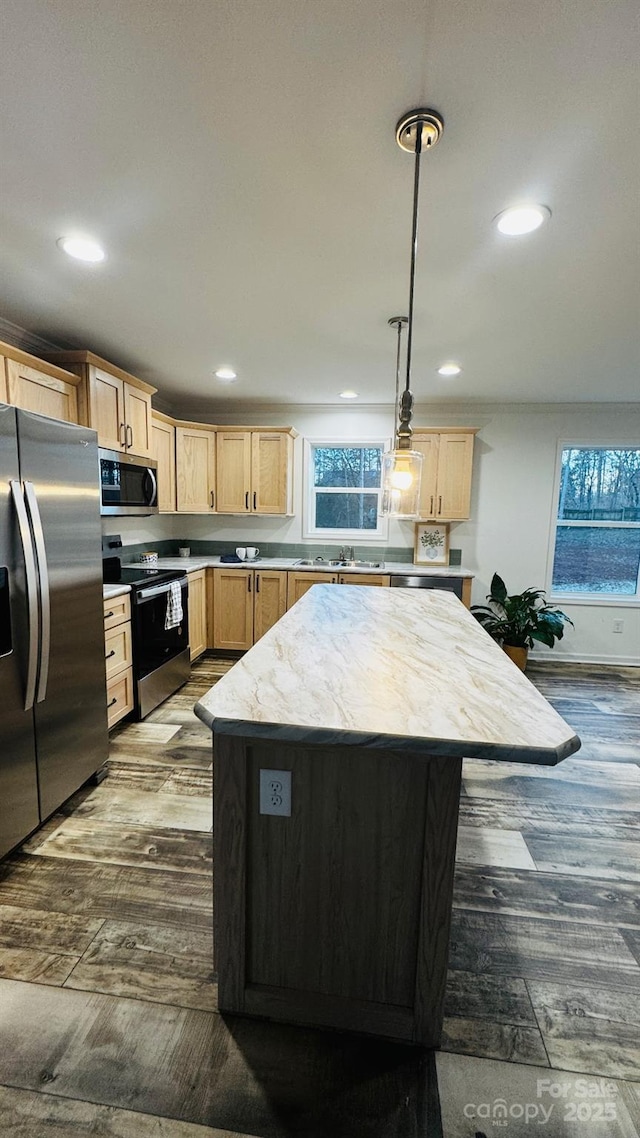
(618,626)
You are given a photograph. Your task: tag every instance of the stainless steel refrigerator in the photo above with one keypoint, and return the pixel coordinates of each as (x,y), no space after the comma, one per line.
(53,719)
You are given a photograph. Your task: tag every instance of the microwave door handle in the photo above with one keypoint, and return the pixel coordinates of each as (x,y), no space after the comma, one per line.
(154,487)
(32,592)
(45,595)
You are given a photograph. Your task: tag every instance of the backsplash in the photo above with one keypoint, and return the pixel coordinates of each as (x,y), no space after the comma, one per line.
(168,547)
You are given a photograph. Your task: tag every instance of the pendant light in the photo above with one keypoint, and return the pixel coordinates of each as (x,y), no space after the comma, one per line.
(416,132)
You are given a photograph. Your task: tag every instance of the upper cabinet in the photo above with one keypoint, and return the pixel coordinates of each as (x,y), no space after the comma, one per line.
(35,385)
(117,405)
(195,469)
(445,491)
(163,444)
(255,471)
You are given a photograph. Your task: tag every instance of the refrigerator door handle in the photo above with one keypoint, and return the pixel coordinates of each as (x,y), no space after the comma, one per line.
(32,592)
(45,602)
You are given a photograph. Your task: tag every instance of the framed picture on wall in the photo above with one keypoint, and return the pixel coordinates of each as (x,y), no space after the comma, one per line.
(431,544)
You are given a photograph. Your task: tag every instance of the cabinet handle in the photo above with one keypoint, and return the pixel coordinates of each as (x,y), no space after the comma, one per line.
(110,654)
(440,503)
(246,500)
(255,504)
(122,435)
(431,506)
(212,498)
(111,702)
(257,582)
(108,614)
(333,580)
(249,583)
(129,436)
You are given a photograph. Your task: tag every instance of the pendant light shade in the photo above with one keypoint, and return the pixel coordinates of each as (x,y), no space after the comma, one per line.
(402,467)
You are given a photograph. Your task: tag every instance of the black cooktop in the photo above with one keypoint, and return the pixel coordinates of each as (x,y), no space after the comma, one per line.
(139,577)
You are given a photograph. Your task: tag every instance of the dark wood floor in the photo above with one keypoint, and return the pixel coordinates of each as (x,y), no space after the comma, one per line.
(108,1021)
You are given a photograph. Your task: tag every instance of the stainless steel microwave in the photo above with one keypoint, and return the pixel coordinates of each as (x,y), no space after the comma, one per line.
(128,485)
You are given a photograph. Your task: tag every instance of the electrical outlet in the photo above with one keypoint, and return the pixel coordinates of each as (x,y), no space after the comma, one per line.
(275,793)
(618,626)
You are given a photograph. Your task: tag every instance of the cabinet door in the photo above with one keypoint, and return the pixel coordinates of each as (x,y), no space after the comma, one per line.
(299,583)
(455,460)
(137,416)
(269,600)
(270,472)
(233,468)
(4,398)
(233,608)
(363,579)
(195,470)
(163,437)
(106,402)
(45,394)
(197,613)
(427,444)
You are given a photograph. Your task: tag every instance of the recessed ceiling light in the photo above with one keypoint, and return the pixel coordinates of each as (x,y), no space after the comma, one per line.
(449,369)
(226,374)
(82,249)
(522,219)
(348,394)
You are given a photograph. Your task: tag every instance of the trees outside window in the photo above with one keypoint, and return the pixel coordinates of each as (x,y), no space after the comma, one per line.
(597,533)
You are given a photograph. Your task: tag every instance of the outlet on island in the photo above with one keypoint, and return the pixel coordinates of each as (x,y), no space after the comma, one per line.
(275,793)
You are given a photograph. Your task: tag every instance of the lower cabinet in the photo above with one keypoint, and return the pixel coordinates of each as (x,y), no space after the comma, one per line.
(246,604)
(300,583)
(118,658)
(197,612)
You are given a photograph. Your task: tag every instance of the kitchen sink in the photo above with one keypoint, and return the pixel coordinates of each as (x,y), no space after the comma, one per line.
(320,563)
(357,564)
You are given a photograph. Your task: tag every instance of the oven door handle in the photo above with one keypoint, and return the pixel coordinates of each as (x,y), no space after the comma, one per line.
(142,595)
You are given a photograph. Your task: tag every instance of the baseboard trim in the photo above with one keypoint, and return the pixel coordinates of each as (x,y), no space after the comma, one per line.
(589,658)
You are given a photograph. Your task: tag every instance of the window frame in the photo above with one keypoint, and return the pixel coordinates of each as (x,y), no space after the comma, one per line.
(556,595)
(379,535)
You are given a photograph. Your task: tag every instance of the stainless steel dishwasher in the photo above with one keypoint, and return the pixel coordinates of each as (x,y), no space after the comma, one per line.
(449,584)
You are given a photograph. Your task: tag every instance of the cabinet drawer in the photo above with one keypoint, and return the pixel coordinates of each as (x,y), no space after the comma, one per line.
(117,649)
(116,610)
(119,697)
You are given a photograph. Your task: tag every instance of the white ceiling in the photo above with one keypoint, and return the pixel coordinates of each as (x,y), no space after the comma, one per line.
(237,159)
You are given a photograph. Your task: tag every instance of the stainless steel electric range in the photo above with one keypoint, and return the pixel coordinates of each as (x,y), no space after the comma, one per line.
(161,661)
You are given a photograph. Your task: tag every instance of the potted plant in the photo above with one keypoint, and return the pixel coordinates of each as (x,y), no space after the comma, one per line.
(517,621)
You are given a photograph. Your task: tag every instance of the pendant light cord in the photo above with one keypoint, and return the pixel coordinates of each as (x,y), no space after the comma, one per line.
(414,250)
(396,417)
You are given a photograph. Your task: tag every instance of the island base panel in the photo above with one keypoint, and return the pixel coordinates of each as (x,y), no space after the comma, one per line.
(338,915)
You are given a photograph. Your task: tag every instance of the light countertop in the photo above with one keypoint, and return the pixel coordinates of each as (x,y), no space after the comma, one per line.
(397,669)
(111,591)
(290,564)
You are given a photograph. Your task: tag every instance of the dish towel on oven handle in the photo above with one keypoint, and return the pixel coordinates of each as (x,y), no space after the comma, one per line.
(174,613)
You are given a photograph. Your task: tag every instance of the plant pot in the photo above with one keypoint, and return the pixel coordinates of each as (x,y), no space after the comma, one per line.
(518,655)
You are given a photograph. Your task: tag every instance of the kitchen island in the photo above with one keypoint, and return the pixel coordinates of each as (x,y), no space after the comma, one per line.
(338,743)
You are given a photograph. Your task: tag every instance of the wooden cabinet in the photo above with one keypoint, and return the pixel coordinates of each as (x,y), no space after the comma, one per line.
(246,604)
(299,583)
(118,658)
(255,471)
(197,613)
(116,404)
(445,492)
(195,470)
(233,609)
(269,600)
(363,579)
(35,385)
(163,447)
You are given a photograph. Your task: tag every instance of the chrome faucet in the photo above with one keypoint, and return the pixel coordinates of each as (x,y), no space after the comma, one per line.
(346,553)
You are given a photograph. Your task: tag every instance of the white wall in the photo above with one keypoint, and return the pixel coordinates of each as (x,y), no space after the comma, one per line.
(512,502)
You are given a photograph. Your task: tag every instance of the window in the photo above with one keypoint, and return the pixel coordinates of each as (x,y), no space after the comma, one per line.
(597,539)
(343,484)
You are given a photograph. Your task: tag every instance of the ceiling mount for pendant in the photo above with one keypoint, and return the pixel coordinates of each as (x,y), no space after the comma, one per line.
(431,124)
